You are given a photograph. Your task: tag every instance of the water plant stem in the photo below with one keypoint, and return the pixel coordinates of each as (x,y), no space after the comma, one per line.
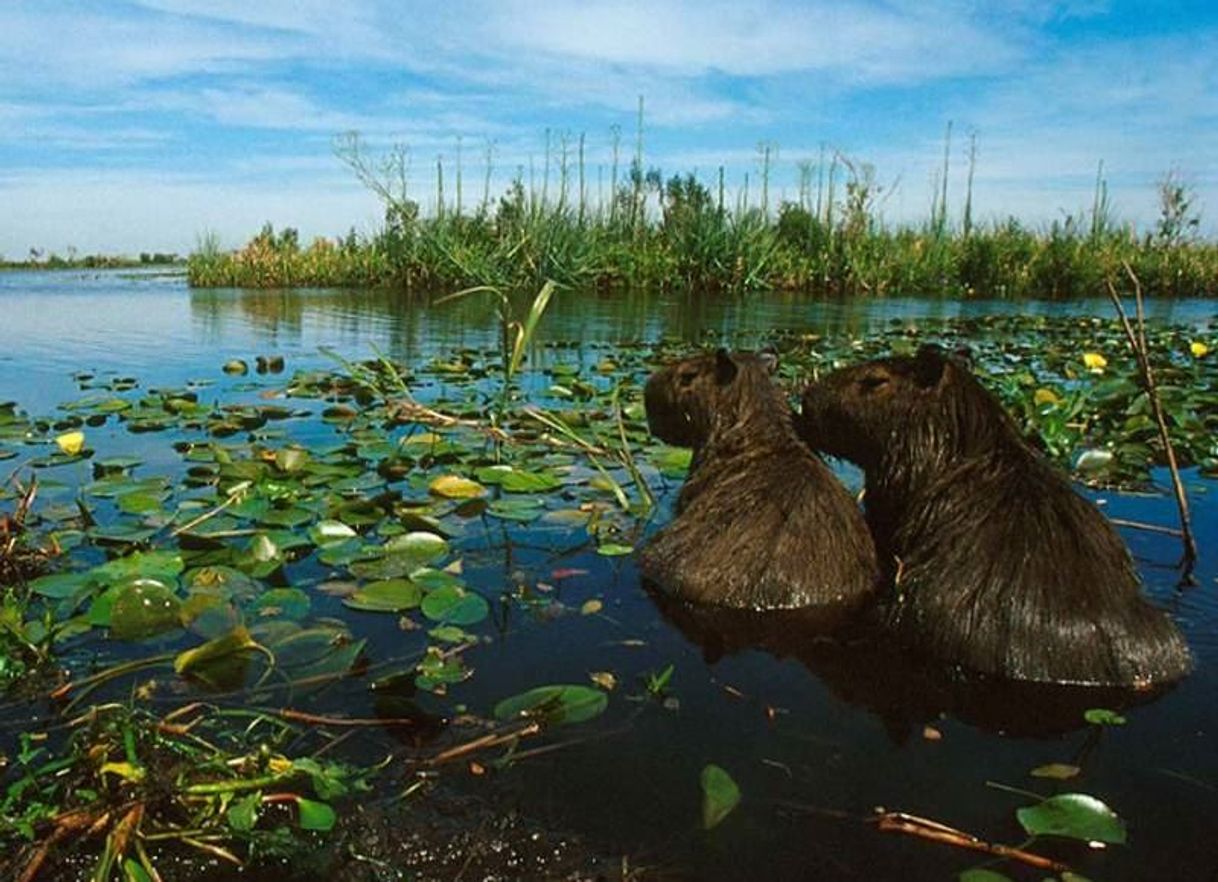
(1137,342)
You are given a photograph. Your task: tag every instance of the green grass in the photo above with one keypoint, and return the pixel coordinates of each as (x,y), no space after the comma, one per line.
(682,233)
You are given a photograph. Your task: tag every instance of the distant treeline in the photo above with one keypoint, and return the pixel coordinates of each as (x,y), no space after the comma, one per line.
(37,260)
(682,232)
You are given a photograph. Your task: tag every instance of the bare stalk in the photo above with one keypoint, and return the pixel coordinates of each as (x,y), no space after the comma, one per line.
(1137,342)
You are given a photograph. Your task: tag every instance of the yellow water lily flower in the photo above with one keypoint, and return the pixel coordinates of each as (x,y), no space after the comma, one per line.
(1046,396)
(1198,349)
(1095,362)
(71,443)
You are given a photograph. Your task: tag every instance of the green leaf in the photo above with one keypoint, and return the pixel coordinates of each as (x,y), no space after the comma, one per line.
(422,546)
(1074,815)
(980,874)
(517,481)
(192,660)
(242,814)
(387,595)
(1099,716)
(456,487)
(614,549)
(1056,771)
(143,608)
(554,705)
(288,603)
(315,815)
(719,795)
(454,605)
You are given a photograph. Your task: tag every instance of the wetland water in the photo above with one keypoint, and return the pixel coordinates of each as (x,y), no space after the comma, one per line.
(816,734)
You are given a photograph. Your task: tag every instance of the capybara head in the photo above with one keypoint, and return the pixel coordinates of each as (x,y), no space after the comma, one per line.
(929,402)
(687,401)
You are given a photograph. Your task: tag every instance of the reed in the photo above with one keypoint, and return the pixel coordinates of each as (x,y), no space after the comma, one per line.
(675,233)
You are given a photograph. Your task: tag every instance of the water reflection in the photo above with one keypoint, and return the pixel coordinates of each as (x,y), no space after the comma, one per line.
(866,669)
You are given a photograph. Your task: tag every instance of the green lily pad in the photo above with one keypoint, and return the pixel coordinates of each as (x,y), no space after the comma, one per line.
(289,603)
(387,595)
(144,608)
(1074,815)
(454,605)
(554,705)
(719,795)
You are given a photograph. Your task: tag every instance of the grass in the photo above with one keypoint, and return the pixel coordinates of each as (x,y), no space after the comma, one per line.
(683,233)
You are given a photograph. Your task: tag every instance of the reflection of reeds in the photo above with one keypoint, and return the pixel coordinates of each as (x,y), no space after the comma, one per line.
(651,231)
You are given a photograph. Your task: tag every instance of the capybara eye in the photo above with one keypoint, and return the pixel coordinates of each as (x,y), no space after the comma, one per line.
(686,379)
(873,382)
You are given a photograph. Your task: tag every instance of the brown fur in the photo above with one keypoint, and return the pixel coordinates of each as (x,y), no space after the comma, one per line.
(761,522)
(997,563)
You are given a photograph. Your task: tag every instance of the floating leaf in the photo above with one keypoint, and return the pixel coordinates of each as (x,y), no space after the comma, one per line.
(315,815)
(719,795)
(192,660)
(1074,815)
(1056,771)
(288,603)
(387,595)
(421,546)
(981,874)
(1099,716)
(591,607)
(329,531)
(456,487)
(614,549)
(455,605)
(554,705)
(242,814)
(517,481)
(143,608)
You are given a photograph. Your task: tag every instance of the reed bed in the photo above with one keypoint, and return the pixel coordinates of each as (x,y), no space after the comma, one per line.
(685,233)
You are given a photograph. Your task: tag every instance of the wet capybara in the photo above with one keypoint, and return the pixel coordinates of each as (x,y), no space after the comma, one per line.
(995,562)
(761,522)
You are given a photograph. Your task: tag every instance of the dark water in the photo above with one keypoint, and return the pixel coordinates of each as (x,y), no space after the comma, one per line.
(816,735)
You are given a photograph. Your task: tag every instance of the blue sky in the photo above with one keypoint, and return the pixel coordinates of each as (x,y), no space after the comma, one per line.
(128,126)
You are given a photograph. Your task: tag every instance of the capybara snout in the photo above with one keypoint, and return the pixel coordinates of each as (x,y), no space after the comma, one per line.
(686,399)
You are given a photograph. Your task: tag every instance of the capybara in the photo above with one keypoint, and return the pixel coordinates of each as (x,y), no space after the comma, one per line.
(995,562)
(761,522)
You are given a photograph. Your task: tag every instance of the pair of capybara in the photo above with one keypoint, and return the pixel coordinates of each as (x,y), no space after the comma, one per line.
(973,548)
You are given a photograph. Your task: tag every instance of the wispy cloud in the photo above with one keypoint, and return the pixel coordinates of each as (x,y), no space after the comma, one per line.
(206,103)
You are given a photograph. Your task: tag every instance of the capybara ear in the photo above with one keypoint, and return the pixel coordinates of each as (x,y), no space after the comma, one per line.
(769,359)
(929,364)
(725,367)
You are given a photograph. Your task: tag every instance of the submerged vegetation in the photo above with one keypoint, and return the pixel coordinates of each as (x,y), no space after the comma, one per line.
(641,228)
(324,559)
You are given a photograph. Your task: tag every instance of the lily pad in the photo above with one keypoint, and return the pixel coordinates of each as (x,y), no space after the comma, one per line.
(144,608)
(554,705)
(719,795)
(1074,815)
(387,595)
(454,605)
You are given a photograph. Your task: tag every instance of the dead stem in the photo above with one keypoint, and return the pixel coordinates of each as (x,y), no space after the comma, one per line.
(924,828)
(1141,351)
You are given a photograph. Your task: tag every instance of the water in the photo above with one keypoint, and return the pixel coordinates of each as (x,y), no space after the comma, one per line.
(815,736)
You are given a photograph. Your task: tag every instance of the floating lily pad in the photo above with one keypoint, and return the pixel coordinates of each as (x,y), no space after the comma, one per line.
(456,487)
(455,605)
(1074,815)
(719,795)
(554,705)
(387,595)
(144,608)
